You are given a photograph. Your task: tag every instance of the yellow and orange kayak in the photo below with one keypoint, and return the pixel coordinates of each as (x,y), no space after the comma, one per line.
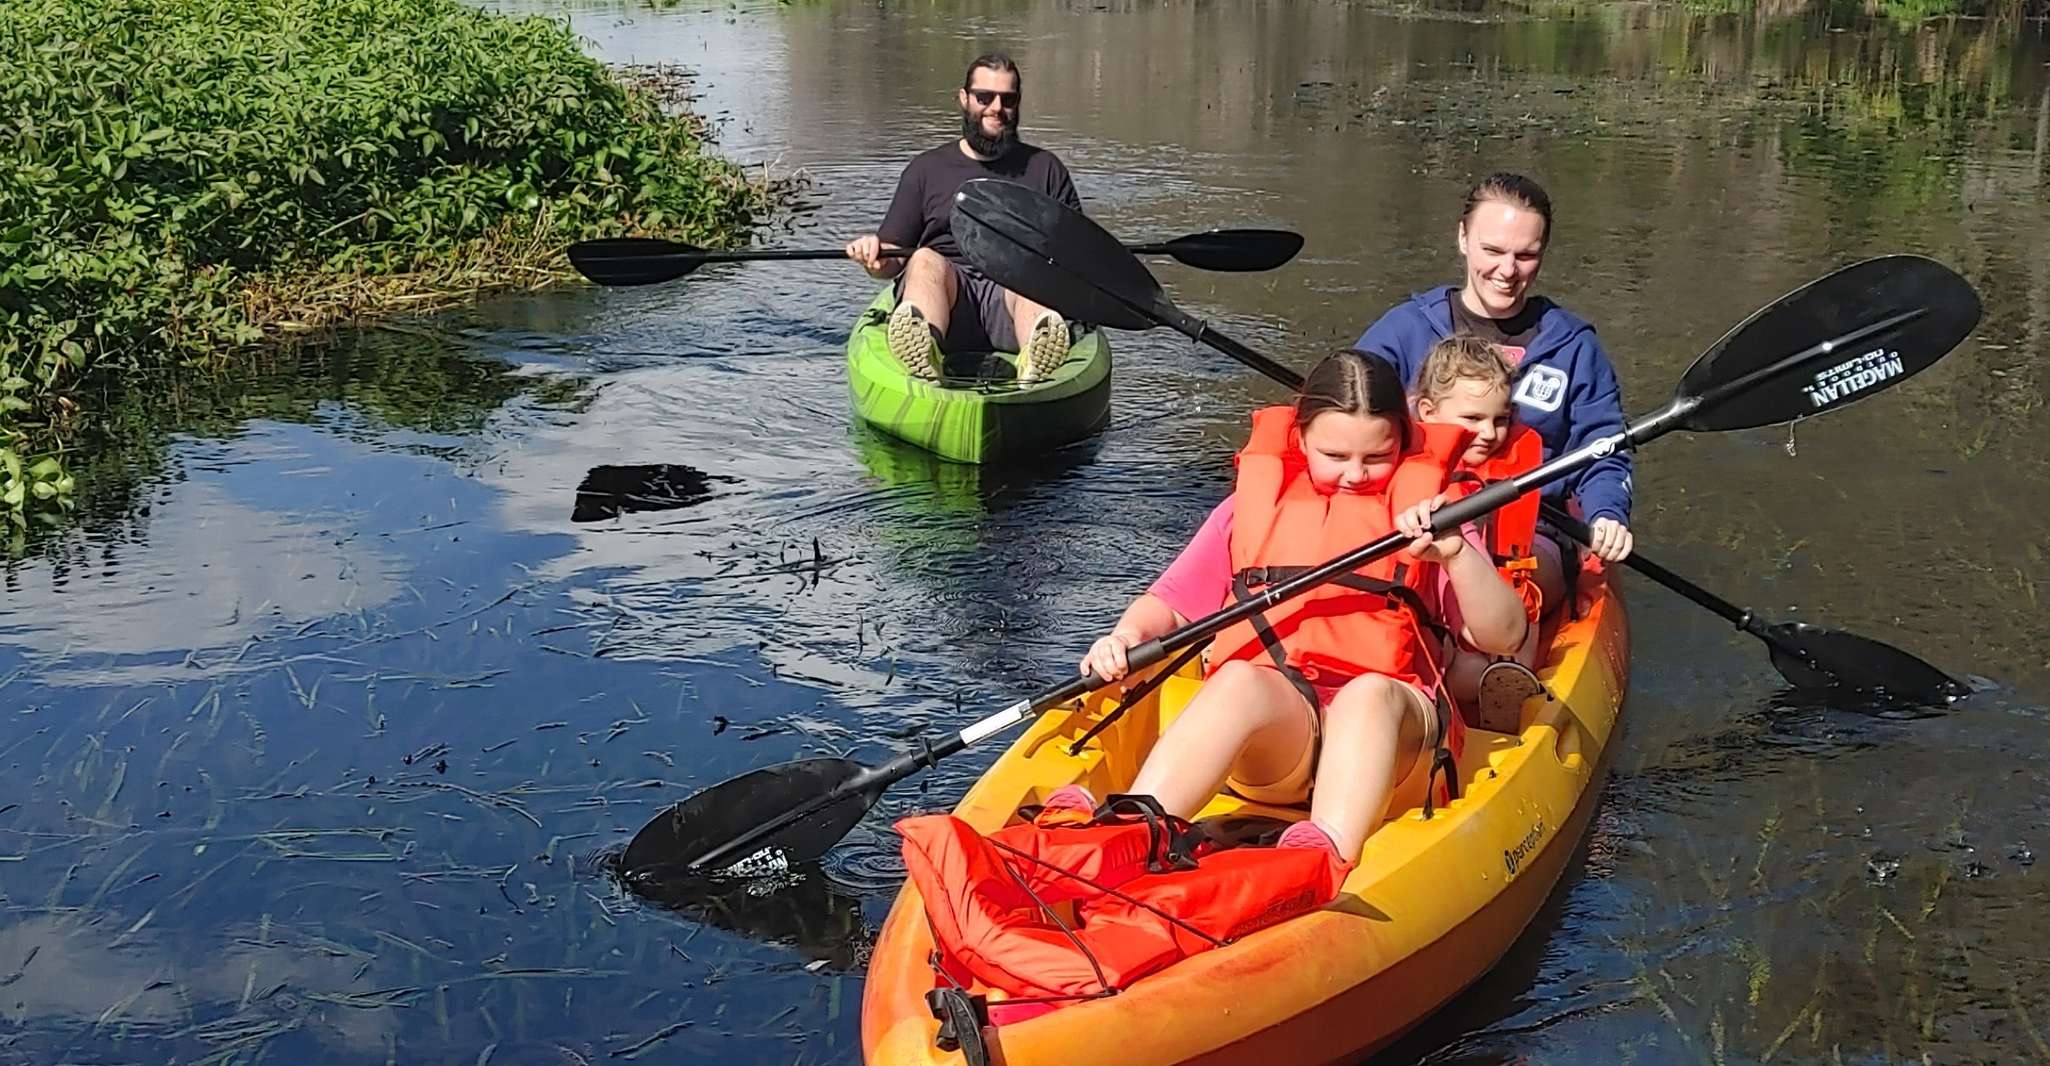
(1432,906)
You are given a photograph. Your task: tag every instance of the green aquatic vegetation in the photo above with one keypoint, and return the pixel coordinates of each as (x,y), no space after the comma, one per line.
(1822,952)
(179,178)
(25,486)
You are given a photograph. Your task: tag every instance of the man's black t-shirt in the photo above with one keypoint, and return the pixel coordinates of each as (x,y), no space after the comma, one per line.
(1513,334)
(921,212)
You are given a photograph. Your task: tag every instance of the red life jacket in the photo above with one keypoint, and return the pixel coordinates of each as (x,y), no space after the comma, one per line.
(1049,914)
(1512,529)
(1367,622)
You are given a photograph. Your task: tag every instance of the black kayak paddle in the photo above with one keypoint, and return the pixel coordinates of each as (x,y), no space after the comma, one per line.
(647,260)
(795,811)
(1032,249)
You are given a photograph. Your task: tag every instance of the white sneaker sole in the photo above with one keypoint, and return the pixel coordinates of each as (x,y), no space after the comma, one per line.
(910,341)
(1045,350)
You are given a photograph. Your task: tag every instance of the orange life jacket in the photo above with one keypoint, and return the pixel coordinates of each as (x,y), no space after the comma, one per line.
(1512,529)
(1046,914)
(1369,621)
(1366,622)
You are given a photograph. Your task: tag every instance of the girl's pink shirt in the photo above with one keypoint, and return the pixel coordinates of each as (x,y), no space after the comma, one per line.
(1198,582)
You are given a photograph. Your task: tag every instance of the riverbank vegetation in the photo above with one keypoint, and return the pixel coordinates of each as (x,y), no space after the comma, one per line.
(181,179)
(2012,11)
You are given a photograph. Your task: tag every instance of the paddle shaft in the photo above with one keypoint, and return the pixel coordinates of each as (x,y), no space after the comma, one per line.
(746,255)
(1199,331)
(1729,612)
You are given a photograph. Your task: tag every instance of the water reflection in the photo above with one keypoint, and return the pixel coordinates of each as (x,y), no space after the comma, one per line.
(353,819)
(272,984)
(219,562)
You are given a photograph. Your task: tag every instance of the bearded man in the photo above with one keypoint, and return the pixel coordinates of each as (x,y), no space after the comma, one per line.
(945,305)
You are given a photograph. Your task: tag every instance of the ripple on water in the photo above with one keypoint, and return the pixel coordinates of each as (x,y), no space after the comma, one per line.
(332,710)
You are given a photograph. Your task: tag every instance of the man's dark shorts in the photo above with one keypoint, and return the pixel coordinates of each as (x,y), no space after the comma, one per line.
(979,321)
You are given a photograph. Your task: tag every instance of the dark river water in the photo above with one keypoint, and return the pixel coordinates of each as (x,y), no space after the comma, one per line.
(312,725)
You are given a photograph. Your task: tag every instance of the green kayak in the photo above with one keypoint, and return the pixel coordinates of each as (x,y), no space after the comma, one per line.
(977,413)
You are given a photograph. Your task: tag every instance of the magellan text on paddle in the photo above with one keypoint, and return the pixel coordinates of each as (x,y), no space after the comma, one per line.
(1853,376)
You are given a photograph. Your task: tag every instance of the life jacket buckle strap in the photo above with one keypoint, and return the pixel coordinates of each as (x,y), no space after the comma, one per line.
(1245,582)
(1442,760)
(1171,841)
(962,1018)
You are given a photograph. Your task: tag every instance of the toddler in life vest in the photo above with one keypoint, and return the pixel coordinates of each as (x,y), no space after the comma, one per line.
(1465,381)
(1337,687)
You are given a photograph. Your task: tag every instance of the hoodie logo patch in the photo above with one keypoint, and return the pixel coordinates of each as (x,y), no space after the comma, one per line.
(1541,388)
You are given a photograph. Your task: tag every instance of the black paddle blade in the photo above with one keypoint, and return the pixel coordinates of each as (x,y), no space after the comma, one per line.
(683,833)
(634,260)
(804,910)
(609,491)
(1812,657)
(1832,341)
(1034,246)
(1232,249)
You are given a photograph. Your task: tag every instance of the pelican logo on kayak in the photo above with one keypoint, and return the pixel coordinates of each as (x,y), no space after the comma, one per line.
(1853,376)
(1513,858)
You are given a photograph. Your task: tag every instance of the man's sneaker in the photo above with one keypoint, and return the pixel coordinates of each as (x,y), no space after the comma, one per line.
(911,340)
(1046,349)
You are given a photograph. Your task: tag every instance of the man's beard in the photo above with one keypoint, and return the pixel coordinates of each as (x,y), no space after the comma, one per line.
(983,144)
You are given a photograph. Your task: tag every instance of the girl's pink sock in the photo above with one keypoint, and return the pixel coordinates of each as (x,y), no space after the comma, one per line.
(1308,834)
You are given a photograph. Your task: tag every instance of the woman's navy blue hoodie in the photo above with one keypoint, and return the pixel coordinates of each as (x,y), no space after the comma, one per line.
(1565,389)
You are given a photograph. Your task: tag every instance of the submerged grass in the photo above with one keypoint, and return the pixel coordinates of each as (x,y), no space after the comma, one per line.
(1824,947)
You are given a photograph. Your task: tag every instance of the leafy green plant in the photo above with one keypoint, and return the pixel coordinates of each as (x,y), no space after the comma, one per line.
(22,486)
(182,177)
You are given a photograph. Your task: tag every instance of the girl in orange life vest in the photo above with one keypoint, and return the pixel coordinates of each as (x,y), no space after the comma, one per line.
(1266,727)
(1464,381)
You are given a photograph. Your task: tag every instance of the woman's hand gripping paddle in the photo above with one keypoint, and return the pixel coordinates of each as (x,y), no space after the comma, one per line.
(1895,316)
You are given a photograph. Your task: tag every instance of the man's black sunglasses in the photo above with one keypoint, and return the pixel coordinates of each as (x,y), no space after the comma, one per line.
(983,97)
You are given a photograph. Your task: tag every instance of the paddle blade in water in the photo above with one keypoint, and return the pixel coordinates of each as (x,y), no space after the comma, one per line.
(694,828)
(1812,657)
(1234,249)
(1033,246)
(609,491)
(633,260)
(799,908)
(1835,340)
